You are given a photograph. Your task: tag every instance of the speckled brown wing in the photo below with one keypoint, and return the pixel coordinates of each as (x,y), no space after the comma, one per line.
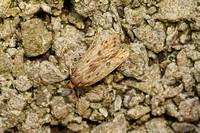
(99,61)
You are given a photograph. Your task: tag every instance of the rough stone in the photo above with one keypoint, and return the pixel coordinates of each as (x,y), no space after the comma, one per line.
(157,105)
(77,127)
(83,105)
(28,10)
(153,38)
(132,99)
(86,9)
(172,91)
(5,62)
(195,25)
(34,120)
(183,127)
(172,36)
(140,129)
(33,69)
(6,9)
(22,83)
(96,94)
(46,7)
(138,111)
(198,88)
(36,38)
(96,116)
(151,10)
(76,20)
(71,118)
(151,83)
(6,29)
(136,64)
(118,77)
(192,52)
(179,98)
(43,95)
(50,73)
(109,79)
(182,26)
(117,103)
(117,125)
(170,77)
(59,108)
(158,125)
(172,110)
(189,109)
(18,62)
(135,16)
(103,111)
(175,10)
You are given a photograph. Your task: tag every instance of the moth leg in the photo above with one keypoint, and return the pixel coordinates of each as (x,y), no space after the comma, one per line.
(77,94)
(74,93)
(71,86)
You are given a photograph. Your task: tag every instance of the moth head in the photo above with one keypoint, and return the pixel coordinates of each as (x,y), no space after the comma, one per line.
(70,85)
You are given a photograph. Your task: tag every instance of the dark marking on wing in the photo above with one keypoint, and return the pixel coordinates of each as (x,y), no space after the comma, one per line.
(93,67)
(97,74)
(108,64)
(99,53)
(113,55)
(87,61)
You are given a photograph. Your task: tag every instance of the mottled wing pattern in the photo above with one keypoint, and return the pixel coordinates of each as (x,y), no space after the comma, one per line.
(99,61)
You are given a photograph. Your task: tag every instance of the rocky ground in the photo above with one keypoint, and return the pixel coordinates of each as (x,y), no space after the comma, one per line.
(156,90)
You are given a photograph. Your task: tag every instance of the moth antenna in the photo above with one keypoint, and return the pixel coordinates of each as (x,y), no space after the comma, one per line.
(62,55)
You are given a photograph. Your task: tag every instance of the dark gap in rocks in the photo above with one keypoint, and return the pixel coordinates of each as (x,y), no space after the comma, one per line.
(162,56)
(41,57)
(43,15)
(92,124)
(169,118)
(11,130)
(67,5)
(120,10)
(60,129)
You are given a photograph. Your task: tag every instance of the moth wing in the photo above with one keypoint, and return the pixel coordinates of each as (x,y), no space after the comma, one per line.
(99,61)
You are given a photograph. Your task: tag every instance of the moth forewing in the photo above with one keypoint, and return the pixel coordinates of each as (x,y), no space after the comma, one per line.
(99,61)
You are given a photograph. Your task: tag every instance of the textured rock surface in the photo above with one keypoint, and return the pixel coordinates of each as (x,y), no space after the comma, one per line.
(36,38)
(155,90)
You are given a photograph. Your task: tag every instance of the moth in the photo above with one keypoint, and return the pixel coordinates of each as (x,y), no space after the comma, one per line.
(98,62)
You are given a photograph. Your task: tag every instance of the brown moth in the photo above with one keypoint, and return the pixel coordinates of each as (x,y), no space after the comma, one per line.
(98,62)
